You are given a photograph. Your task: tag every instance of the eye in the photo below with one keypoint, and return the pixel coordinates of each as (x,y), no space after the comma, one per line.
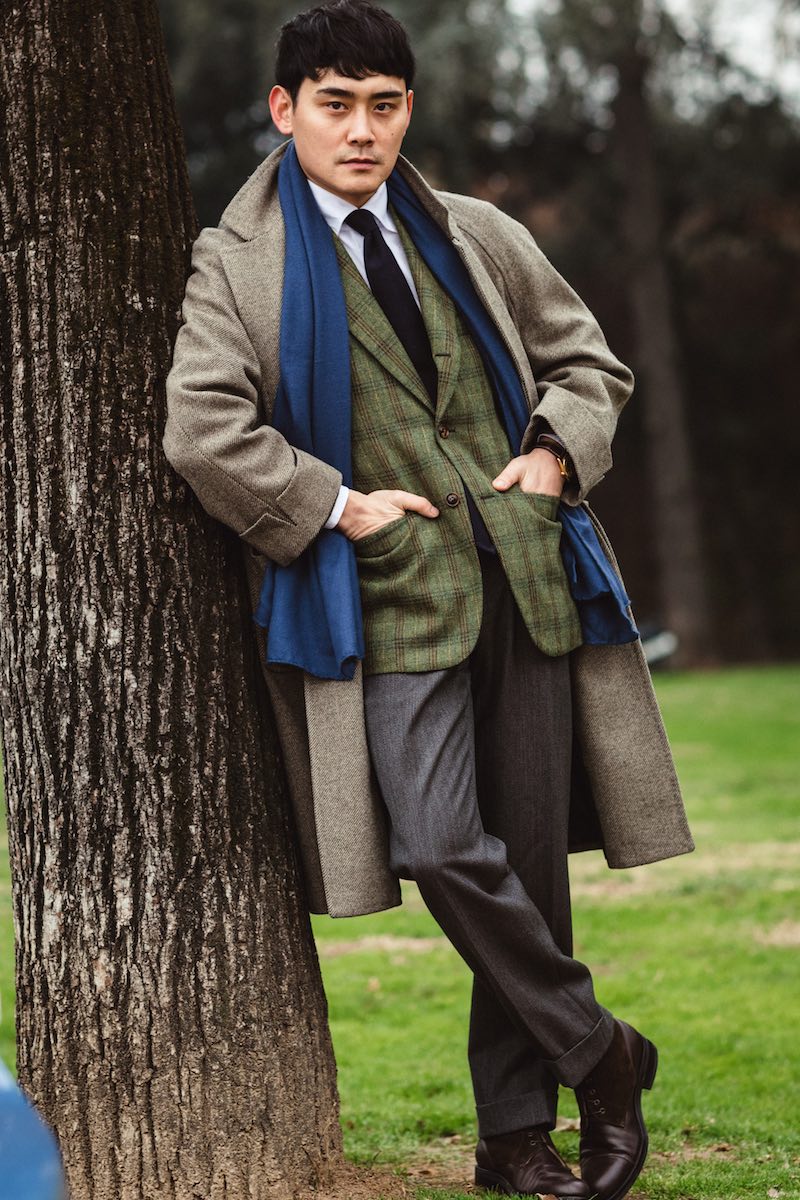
(331,103)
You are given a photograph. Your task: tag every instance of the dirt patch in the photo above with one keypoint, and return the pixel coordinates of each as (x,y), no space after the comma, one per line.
(429,1170)
(590,876)
(785,933)
(449,1163)
(352,1182)
(593,878)
(384,944)
(689,1153)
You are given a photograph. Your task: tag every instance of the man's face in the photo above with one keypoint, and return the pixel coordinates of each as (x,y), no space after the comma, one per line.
(347,132)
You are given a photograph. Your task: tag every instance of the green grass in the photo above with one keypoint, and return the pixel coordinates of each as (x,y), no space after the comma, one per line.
(701,951)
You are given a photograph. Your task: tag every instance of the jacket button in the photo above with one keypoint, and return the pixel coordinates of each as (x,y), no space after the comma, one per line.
(443,431)
(452,499)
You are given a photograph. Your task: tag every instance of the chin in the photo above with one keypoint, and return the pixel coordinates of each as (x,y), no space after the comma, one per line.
(367,188)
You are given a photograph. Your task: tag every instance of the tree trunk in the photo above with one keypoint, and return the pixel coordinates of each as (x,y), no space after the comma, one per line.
(171,1019)
(678,543)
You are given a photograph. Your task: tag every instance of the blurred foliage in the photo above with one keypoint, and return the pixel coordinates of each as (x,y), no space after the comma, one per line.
(221,55)
(728,155)
(519,110)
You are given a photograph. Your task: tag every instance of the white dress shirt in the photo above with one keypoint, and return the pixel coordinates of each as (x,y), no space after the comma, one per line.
(334,209)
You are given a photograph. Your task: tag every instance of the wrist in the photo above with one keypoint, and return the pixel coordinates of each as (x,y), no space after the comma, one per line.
(553,445)
(546,475)
(351,512)
(338,508)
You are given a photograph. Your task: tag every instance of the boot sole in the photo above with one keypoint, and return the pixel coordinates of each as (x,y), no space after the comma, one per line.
(647,1073)
(496,1183)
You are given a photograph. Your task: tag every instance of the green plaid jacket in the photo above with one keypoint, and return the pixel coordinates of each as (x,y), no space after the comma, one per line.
(420,577)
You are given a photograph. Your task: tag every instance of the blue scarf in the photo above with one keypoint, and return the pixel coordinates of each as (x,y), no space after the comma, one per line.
(311,608)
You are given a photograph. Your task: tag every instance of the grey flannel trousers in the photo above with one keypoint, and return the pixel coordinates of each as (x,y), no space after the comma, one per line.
(473,762)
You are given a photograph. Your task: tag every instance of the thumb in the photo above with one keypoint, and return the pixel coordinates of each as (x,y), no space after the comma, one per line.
(507,476)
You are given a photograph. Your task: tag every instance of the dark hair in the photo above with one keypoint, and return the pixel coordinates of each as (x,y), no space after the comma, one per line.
(352,37)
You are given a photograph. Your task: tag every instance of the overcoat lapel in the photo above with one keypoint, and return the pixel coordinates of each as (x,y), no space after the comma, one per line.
(255,270)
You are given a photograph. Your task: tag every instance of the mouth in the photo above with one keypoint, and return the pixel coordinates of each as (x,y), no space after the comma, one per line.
(360,162)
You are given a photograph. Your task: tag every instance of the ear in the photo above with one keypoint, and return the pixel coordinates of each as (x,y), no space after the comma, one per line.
(410,98)
(281,108)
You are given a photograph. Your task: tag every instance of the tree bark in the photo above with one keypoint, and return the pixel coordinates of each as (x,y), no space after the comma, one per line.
(171,1018)
(679,549)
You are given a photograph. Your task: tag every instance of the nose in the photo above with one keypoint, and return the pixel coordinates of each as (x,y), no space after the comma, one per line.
(360,130)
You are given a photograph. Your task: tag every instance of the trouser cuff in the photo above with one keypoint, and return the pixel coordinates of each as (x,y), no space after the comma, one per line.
(575,1064)
(517,1112)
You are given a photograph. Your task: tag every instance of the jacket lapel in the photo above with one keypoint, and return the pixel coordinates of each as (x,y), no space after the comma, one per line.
(370,325)
(438,313)
(439,316)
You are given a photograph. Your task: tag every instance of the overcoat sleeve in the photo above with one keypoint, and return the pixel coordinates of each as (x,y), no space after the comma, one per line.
(581,386)
(243,471)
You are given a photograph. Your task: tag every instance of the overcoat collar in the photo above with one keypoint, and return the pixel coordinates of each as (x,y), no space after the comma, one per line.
(251,211)
(255,265)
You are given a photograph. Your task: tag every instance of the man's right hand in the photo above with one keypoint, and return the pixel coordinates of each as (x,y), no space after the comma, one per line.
(366,512)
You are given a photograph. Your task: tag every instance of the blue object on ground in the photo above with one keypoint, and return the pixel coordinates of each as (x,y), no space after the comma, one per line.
(30,1162)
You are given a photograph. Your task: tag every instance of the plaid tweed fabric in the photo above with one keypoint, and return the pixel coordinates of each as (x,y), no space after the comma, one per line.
(420,577)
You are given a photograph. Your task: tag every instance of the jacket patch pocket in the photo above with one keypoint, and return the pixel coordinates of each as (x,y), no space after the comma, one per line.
(527,533)
(545,504)
(382,540)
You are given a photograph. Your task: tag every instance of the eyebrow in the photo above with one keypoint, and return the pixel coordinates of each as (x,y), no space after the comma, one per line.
(347,95)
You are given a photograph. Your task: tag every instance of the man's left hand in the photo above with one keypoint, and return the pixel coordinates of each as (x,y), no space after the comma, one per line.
(536,471)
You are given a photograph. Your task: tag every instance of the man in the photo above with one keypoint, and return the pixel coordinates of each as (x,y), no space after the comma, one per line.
(400,406)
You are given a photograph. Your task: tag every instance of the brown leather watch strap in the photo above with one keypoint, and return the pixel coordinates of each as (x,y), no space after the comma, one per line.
(549,441)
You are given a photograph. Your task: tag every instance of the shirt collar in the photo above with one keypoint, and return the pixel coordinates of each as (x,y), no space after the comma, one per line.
(334,209)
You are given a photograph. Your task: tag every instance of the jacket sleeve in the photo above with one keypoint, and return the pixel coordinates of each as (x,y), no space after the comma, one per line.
(243,471)
(582,387)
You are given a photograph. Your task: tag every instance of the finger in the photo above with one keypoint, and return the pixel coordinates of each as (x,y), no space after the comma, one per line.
(417,503)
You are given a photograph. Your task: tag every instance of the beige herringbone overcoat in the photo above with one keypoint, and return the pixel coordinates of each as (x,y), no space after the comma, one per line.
(220,390)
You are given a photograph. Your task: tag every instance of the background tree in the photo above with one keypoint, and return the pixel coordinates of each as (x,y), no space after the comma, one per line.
(620,45)
(664,179)
(171,1021)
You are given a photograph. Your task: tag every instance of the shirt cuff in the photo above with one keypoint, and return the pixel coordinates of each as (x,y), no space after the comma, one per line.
(338,507)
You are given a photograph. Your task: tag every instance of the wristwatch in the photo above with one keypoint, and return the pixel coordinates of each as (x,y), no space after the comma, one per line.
(549,441)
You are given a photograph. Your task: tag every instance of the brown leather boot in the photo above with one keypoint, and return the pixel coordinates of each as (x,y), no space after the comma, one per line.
(526,1163)
(613,1134)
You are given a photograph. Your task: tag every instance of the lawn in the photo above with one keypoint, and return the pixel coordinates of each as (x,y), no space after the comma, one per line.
(701,952)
